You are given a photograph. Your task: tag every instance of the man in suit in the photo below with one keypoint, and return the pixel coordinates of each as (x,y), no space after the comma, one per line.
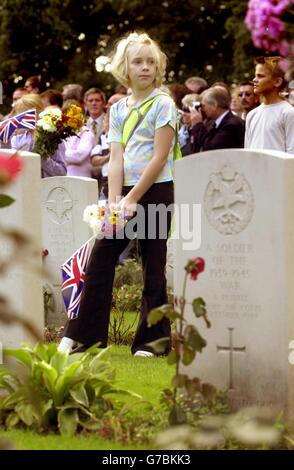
(215,126)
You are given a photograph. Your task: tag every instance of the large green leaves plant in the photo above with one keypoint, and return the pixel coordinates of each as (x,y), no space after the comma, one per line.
(53,389)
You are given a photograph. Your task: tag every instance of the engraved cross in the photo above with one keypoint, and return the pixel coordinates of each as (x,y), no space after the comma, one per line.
(231,349)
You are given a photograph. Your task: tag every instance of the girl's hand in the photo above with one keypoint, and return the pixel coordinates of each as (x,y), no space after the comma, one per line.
(128,206)
(115,206)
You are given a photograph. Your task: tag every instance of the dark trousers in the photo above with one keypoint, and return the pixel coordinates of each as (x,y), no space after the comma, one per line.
(91,325)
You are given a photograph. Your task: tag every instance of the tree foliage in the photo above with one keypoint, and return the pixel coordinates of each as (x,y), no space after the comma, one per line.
(60,39)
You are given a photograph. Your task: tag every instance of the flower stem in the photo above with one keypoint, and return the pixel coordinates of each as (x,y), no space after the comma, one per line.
(181,320)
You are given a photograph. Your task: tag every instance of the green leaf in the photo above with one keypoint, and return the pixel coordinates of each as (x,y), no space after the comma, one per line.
(22,356)
(173,315)
(199,307)
(80,395)
(159,345)
(91,424)
(8,381)
(12,420)
(172,357)
(188,356)
(68,421)
(5,200)
(50,376)
(26,413)
(157,314)
(59,361)
(193,339)
(179,380)
(41,351)
(177,416)
(120,391)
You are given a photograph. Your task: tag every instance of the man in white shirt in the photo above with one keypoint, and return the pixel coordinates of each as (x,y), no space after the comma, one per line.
(270,126)
(95,102)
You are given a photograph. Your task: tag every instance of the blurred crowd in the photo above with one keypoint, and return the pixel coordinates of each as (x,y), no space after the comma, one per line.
(210,116)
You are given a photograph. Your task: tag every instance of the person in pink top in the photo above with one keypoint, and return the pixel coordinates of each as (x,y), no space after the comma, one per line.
(78,149)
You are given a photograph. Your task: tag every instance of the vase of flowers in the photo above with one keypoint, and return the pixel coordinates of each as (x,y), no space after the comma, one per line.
(54,126)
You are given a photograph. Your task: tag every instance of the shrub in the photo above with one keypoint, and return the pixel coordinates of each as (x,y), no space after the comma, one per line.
(130,273)
(125,299)
(127,293)
(68,393)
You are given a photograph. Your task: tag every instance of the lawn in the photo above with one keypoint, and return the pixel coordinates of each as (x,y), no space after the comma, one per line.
(145,376)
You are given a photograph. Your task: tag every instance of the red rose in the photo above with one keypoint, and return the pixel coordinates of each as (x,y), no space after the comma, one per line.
(194,267)
(9,168)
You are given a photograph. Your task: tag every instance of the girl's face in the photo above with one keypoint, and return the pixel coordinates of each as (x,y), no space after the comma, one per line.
(141,66)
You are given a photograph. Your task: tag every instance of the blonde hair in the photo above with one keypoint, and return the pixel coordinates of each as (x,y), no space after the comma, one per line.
(273,64)
(189,99)
(120,64)
(29,101)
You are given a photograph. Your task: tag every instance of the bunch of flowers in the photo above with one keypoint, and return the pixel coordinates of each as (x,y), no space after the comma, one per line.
(271,25)
(54,126)
(103,221)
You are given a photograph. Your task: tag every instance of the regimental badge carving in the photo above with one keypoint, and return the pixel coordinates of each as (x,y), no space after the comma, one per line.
(59,204)
(228,201)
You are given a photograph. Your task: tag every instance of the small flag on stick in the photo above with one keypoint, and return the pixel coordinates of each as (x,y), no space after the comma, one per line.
(26,120)
(73,276)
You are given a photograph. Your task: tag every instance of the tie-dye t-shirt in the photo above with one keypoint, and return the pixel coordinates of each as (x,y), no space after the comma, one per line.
(139,149)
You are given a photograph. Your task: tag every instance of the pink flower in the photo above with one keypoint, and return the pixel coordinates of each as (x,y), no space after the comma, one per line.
(275,27)
(10,166)
(264,19)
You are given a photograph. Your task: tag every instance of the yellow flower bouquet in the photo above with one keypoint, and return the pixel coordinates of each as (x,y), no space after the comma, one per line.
(53,126)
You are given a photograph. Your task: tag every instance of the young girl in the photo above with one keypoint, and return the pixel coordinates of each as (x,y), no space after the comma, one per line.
(140,173)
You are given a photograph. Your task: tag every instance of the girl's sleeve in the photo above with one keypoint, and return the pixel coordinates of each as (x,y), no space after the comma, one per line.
(115,127)
(165,113)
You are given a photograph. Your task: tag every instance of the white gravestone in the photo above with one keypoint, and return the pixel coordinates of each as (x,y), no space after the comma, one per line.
(64,199)
(247,218)
(22,284)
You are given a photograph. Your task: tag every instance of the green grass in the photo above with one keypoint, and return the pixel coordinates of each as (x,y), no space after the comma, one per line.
(145,376)
(29,440)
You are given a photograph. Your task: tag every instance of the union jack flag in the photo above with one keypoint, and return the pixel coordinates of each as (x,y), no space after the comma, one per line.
(25,120)
(73,276)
